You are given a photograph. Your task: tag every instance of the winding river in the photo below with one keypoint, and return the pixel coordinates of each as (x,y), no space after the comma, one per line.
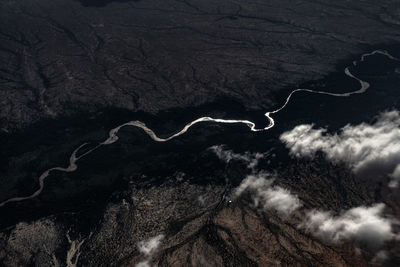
(113,137)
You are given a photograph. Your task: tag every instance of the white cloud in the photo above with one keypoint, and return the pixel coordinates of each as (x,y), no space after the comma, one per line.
(259,184)
(279,199)
(143,264)
(380,257)
(202,199)
(150,246)
(395,175)
(370,149)
(364,225)
(267,196)
(227,155)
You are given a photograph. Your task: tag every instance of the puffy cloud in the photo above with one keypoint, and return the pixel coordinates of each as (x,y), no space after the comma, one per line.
(150,246)
(396,177)
(143,264)
(364,225)
(227,155)
(267,196)
(370,149)
(263,193)
(380,257)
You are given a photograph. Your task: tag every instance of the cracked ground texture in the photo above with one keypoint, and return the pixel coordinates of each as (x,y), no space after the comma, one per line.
(72,70)
(60,57)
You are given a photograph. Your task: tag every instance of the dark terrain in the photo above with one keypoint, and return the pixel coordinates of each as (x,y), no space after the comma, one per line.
(72,70)
(60,57)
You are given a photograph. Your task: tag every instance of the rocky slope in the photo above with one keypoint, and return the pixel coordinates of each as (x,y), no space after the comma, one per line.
(183,224)
(72,70)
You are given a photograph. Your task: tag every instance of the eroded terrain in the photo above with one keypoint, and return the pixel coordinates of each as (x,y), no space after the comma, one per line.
(219,194)
(60,58)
